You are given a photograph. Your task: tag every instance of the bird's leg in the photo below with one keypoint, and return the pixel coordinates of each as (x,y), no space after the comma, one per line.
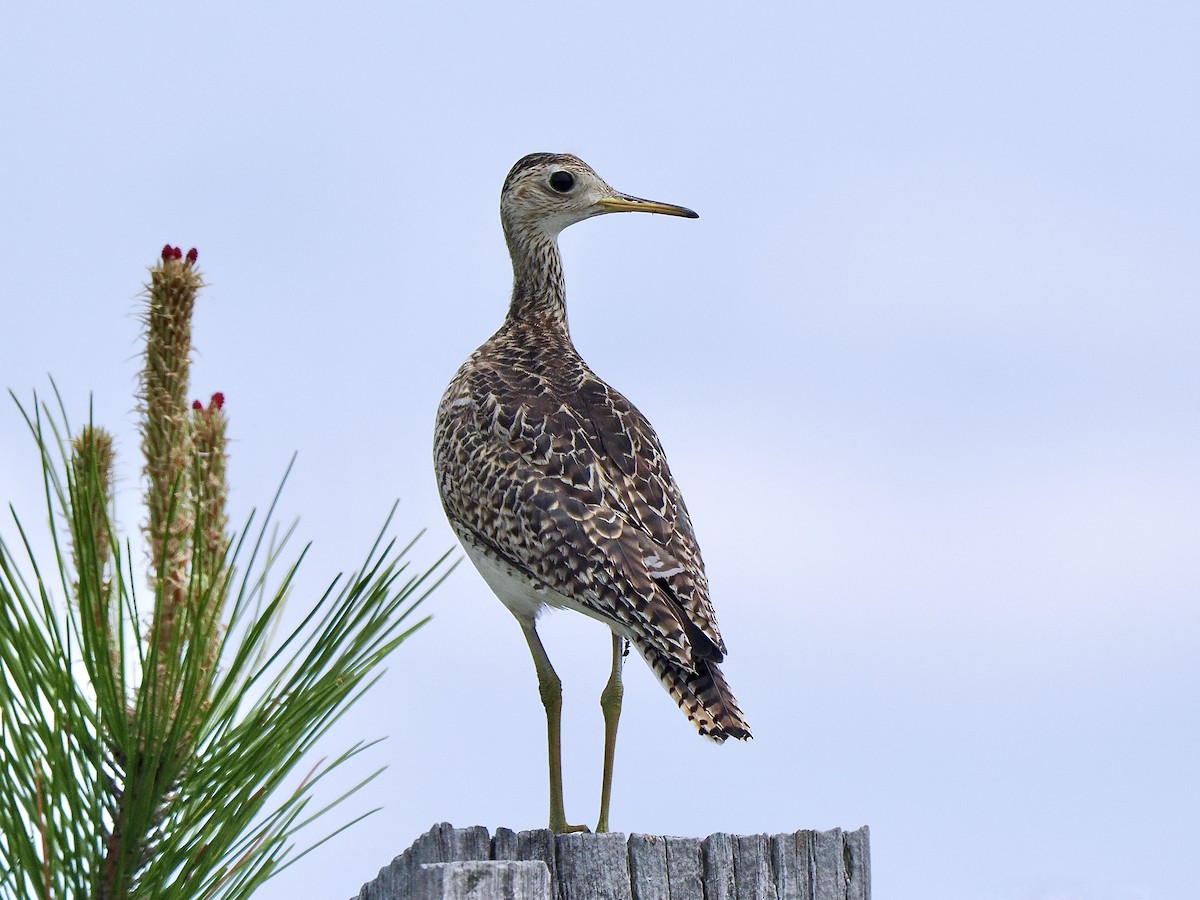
(610,705)
(550,688)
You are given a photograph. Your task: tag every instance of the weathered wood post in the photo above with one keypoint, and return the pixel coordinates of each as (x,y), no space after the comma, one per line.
(448,863)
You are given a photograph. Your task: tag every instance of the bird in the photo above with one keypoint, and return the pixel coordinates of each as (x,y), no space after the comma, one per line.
(558,487)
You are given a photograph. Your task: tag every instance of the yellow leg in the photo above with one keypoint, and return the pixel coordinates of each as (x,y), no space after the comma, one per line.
(550,688)
(610,705)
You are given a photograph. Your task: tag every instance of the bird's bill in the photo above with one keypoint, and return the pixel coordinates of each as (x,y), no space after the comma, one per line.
(626,203)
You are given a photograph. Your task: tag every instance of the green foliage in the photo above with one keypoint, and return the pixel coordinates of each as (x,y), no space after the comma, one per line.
(145,737)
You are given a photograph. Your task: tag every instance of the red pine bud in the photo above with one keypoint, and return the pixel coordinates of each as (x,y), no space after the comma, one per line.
(218,400)
(192,255)
(196,404)
(167,252)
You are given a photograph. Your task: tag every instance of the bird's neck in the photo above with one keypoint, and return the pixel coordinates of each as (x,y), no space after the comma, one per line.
(539,296)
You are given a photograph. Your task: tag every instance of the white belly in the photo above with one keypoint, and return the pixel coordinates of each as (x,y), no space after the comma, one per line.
(524,599)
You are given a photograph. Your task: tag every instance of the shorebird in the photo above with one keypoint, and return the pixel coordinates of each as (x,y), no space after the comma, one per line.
(558,488)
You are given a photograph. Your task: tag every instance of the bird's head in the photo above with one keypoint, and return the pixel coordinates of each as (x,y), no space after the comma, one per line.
(546,192)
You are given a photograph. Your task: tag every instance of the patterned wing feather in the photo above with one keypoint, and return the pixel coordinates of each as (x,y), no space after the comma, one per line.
(560,473)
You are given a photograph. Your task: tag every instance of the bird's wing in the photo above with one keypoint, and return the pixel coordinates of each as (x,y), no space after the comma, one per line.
(572,487)
(640,483)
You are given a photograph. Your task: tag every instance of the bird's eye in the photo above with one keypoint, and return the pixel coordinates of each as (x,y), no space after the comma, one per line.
(562,181)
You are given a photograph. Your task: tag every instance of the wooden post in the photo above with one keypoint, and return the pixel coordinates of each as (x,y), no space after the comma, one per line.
(449,863)
(508,879)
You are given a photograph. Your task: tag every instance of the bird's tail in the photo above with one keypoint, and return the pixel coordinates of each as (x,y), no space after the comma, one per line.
(703,695)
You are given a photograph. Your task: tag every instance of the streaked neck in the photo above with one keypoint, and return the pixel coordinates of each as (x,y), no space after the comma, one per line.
(539,296)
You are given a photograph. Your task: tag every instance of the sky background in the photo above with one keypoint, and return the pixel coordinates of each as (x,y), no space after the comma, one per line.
(926,370)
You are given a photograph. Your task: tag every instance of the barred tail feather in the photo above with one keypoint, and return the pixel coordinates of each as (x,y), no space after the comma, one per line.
(703,695)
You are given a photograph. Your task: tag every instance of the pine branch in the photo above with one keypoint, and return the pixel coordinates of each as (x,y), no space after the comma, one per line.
(149,760)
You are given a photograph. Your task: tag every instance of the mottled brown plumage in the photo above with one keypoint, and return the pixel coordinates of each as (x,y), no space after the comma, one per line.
(555,483)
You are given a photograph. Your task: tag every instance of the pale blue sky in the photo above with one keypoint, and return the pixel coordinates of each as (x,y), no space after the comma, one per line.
(926,369)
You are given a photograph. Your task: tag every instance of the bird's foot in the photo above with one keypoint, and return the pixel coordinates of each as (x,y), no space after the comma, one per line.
(558,824)
(602,825)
